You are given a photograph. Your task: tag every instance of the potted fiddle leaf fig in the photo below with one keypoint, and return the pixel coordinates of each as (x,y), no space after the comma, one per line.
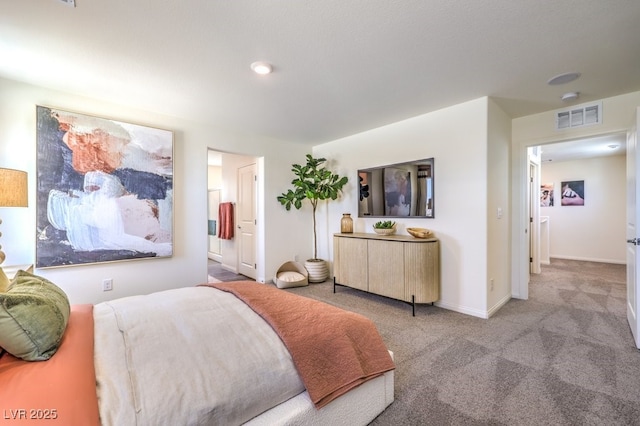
(313,182)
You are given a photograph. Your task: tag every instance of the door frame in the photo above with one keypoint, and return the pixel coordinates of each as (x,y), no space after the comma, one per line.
(260,217)
(520,238)
(633,280)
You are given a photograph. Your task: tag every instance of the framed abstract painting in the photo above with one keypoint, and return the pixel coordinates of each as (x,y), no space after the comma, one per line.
(104,190)
(572,193)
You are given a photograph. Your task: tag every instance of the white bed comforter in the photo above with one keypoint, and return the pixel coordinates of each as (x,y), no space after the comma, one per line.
(193,355)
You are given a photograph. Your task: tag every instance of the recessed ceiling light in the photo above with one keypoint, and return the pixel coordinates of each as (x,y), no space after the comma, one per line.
(570,96)
(563,78)
(261,68)
(613,146)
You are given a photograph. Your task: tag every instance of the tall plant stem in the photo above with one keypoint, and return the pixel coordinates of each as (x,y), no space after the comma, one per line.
(314,204)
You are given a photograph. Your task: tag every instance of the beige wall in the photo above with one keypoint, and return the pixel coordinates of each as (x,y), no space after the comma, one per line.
(457,138)
(188,266)
(468,142)
(595,231)
(498,208)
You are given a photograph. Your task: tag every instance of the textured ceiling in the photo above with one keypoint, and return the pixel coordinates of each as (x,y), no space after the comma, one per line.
(340,66)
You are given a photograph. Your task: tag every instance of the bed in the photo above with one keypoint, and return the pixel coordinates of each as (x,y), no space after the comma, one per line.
(225,353)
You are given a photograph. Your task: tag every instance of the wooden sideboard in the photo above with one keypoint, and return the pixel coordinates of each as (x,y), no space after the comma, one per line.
(396,266)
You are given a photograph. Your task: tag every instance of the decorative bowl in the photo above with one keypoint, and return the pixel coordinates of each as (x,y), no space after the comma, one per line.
(385,231)
(420,232)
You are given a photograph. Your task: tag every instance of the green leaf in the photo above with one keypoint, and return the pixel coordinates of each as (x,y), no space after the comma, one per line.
(313,182)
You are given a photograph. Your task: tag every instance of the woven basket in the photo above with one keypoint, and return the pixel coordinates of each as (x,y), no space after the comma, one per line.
(420,232)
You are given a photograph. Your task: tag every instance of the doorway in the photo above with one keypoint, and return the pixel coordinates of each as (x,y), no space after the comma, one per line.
(544,217)
(230,186)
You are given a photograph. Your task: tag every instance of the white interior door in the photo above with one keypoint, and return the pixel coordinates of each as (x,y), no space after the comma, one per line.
(246,220)
(633,237)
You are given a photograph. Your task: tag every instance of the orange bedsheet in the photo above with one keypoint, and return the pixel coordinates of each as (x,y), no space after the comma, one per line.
(61,390)
(333,350)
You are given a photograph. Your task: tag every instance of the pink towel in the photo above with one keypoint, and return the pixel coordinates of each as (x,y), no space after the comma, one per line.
(225,217)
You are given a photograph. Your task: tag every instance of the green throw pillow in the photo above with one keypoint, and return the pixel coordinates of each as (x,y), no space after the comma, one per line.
(33,317)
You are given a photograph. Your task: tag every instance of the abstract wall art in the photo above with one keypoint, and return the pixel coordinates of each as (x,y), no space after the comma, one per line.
(104,190)
(572,193)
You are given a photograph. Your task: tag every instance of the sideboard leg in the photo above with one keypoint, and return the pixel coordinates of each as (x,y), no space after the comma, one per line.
(413,304)
(334,285)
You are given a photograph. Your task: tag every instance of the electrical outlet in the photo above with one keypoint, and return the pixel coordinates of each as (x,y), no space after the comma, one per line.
(107,284)
(491,284)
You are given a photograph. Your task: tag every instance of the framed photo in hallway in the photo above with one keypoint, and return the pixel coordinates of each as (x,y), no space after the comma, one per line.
(546,195)
(104,190)
(572,193)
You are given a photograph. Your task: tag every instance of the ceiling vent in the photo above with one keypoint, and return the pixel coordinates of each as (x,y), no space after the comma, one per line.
(579,115)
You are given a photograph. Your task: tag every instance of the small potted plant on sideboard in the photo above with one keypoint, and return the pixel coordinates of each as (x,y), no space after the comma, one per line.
(384,227)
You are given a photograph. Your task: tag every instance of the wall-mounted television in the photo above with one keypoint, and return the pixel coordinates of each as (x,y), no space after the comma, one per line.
(397,190)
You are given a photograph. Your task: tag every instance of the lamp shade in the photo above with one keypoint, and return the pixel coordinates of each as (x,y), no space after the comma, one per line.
(13,188)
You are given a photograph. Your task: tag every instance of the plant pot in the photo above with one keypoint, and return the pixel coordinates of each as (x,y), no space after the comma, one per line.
(318,270)
(385,231)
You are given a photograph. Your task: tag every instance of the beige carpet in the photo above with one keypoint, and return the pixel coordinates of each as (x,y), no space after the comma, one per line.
(564,357)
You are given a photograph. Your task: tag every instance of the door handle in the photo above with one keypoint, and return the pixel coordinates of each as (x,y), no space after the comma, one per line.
(633,241)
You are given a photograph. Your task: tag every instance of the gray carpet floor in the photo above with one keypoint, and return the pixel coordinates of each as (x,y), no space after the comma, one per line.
(564,357)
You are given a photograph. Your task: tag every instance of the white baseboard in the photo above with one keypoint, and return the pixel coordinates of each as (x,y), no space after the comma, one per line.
(589,259)
(499,305)
(463,310)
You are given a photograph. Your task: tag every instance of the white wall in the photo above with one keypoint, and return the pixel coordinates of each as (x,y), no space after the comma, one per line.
(498,208)
(188,266)
(618,115)
(596,231)
(457,139)
(214,177)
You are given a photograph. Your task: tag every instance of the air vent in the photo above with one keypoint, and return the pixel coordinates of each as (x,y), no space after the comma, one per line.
(578,116)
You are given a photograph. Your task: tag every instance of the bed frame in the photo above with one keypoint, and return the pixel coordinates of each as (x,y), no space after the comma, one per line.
(357,407)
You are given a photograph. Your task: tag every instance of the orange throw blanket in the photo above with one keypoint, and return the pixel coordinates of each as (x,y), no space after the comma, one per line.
(333,350)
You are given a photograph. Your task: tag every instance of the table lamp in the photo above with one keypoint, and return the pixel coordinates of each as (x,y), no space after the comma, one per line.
(13,193)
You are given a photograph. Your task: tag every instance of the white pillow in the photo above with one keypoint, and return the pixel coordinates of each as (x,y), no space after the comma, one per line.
(290,276)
